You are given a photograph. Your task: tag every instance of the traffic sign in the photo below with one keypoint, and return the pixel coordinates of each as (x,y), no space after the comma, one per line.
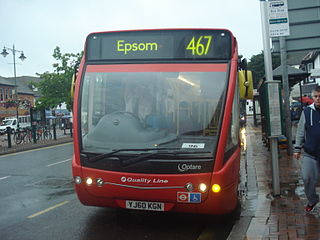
(304,30)
(278,18)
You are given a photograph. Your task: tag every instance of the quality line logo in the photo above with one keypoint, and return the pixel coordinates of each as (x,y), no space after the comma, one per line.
(135,180)
(143,180)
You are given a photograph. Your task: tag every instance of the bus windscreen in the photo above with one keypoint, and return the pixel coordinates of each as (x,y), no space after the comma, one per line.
(159,45)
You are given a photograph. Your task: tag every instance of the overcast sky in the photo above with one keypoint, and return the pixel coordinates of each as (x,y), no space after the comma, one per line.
(38,26)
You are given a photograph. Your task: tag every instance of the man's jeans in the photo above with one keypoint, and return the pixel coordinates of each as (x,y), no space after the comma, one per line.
(310,175)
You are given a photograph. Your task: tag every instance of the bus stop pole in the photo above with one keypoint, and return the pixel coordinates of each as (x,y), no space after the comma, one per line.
(275,165)
(286,95)
(269,77)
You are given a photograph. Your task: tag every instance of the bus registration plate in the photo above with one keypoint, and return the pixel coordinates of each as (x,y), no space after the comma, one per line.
(141,205)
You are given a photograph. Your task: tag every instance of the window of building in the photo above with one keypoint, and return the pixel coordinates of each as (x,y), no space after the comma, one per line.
(310,66)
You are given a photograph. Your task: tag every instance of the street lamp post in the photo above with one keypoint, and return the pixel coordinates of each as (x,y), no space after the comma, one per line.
(22,57)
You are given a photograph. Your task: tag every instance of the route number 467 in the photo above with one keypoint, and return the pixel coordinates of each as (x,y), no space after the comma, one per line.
(200,46)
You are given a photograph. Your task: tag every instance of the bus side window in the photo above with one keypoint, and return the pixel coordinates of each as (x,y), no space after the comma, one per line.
(234,129)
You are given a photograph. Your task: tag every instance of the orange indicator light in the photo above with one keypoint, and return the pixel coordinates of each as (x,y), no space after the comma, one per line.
(216,188)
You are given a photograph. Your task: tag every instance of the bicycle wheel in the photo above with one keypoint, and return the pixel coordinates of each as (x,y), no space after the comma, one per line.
(29,137)
(47,135)
(38,136)
(18,137)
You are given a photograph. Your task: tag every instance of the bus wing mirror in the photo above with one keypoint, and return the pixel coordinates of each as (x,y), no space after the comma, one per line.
(245,84)
(242,63)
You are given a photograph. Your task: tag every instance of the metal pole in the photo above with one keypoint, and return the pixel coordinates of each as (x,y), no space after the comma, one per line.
(9,137)
(54,131)
(300,88)
(269,77)
(266,41)
(275,166)
(34,132)
(15,83)
(71,130)
(285,84)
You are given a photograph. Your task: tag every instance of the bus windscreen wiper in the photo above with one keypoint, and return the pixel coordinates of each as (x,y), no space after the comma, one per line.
(145,156)
(109,154)
(170,141)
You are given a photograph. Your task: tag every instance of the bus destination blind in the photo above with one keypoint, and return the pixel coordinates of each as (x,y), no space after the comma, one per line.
(159,45)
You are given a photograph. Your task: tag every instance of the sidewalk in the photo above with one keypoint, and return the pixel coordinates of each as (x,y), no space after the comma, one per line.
(266,217)
(62,137)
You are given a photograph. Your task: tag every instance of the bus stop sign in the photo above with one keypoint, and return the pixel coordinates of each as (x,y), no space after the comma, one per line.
(278,18)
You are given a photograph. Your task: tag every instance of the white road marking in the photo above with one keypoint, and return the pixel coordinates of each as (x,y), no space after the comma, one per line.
(2,178)
(52,164)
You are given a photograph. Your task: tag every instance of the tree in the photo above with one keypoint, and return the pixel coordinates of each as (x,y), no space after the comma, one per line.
(256,65)
(55,87)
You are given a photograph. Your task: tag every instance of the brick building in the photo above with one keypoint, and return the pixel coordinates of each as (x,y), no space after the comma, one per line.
(27,94)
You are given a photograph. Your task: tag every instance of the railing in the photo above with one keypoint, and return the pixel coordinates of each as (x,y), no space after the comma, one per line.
(32,136)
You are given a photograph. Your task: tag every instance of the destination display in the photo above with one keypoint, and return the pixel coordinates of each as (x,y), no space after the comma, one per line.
(159,45)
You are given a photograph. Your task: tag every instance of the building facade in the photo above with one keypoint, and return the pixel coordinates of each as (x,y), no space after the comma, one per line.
(311,64)
(23,101)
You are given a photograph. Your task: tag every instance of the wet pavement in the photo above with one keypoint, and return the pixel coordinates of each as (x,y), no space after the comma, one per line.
(37,202)
(263,215)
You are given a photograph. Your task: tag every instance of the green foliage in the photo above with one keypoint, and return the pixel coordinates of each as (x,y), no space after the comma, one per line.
(256,65)
(55,87)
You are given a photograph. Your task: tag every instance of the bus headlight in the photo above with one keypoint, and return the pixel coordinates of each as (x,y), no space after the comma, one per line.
(216,188)
(89,181)
(77,180)
(202,187)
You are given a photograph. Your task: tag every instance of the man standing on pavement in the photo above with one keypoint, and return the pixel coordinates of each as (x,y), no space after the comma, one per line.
(308,137)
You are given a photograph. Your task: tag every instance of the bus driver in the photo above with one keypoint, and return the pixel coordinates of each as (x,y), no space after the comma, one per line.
(139,98)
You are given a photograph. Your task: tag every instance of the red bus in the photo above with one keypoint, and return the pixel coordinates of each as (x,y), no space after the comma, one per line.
(156,121)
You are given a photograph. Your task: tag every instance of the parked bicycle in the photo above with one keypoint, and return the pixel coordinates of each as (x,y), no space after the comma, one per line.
(22,135)
(43,133)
